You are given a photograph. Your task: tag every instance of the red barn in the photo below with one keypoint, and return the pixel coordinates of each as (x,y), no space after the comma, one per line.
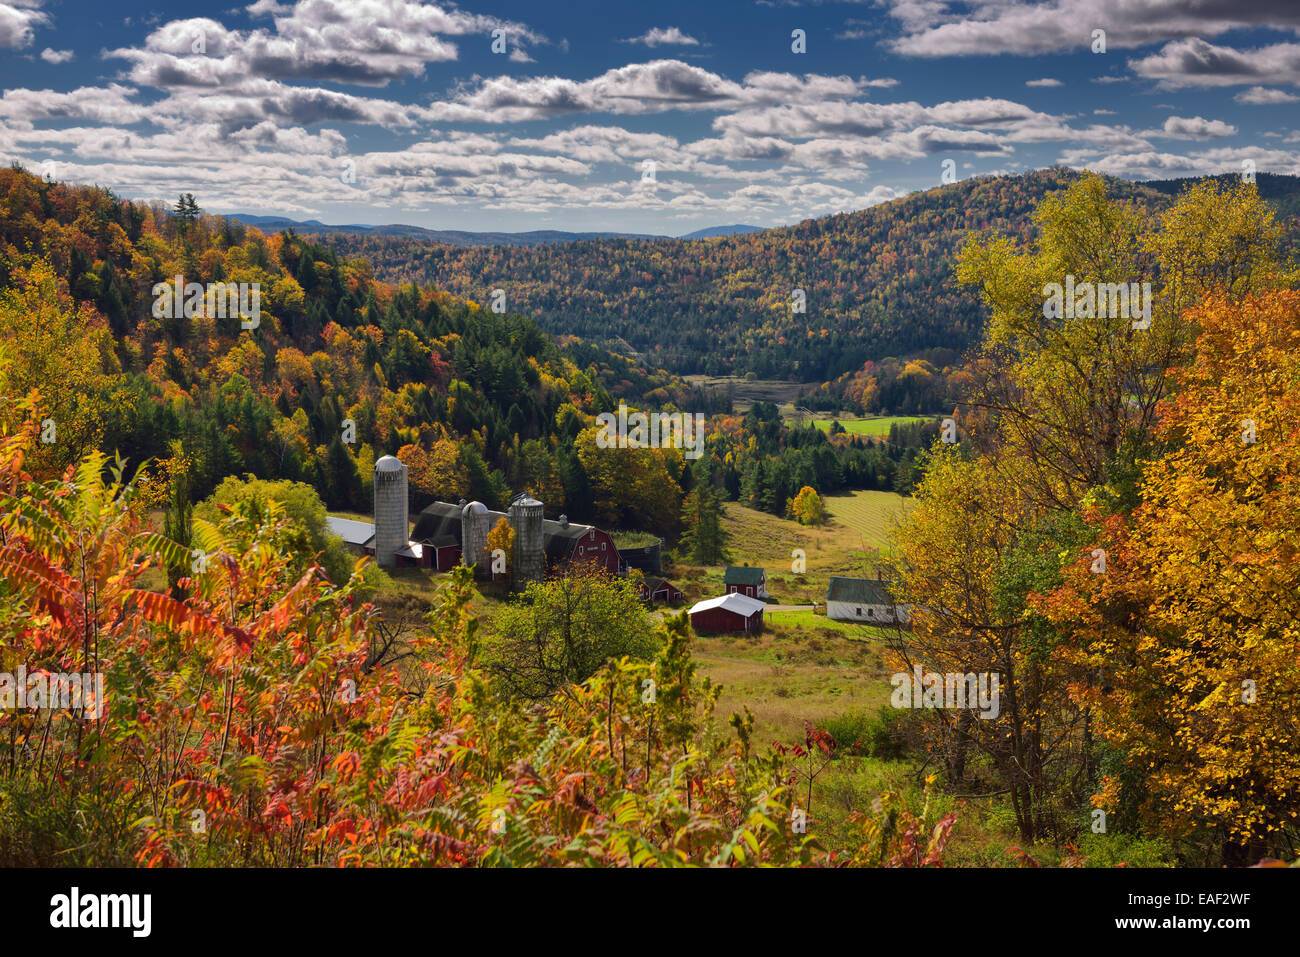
(659,591)
(728,613)
(569,544)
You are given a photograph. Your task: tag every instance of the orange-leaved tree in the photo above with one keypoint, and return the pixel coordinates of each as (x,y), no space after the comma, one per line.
(1191,635)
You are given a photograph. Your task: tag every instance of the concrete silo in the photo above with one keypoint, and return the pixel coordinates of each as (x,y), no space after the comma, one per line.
(526,520)
(392,522)
(473,537)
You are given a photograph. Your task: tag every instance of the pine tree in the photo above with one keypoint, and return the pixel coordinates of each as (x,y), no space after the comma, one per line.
(704,541)
(342,478)
(187,210)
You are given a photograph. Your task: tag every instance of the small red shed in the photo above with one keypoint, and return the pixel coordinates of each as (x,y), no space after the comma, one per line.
(728,613)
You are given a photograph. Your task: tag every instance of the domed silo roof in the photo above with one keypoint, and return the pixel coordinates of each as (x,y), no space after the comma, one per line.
(475,508)
(389,463)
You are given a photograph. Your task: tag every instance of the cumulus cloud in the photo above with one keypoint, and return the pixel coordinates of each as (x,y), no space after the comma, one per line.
(1158,165)
(252,116)
(1194,128)
(638,88)
(1196,63)
(18,22)
(109,105)
(934,28)
(1263,96)
(56,56)
(370,43)
(664,36)
(601,144)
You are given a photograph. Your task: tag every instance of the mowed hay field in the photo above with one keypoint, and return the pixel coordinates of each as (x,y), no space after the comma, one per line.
(872,515)
(746,392)
(854,536)
(803,666)
(876,427)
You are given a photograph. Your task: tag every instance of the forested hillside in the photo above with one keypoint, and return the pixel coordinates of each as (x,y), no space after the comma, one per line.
(878,282)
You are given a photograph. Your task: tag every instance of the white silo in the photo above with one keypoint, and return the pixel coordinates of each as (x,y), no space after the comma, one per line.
(392,521)
(526,520)
(473,537)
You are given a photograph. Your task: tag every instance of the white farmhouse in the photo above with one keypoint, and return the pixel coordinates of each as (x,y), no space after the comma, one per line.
(864,599)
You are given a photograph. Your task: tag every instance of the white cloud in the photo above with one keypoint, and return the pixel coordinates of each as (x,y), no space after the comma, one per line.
(363,42)
(1196,63)
(1263,96)
(934,28)
(661,36)
(251,118)
(1194,128)
(1157,165)
(638,88)
(18,21)
(111,105)
(57,56)
(601,144)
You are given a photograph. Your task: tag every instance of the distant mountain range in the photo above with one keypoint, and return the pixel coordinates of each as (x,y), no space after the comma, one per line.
(714,231)
(457,237)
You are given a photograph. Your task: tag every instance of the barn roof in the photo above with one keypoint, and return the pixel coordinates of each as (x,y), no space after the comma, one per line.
(350,530)
(742,605)
(412,550)
(440,519)
(439,523)
(859,591)
(571,530)
(436,521)
(558,540)
(742,575)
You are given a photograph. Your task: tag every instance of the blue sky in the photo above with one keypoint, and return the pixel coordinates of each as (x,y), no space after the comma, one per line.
(384,111)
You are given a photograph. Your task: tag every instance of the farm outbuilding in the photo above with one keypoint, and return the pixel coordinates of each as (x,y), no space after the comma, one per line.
(358,536)
(645,557)
(745,580)
(728,613)
(659,591)
(863,599)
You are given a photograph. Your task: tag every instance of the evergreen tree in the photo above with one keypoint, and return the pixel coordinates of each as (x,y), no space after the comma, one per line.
(343,487)
(187,210)
(704,541)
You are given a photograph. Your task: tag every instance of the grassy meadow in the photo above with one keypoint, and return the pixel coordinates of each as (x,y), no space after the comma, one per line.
(876,427)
